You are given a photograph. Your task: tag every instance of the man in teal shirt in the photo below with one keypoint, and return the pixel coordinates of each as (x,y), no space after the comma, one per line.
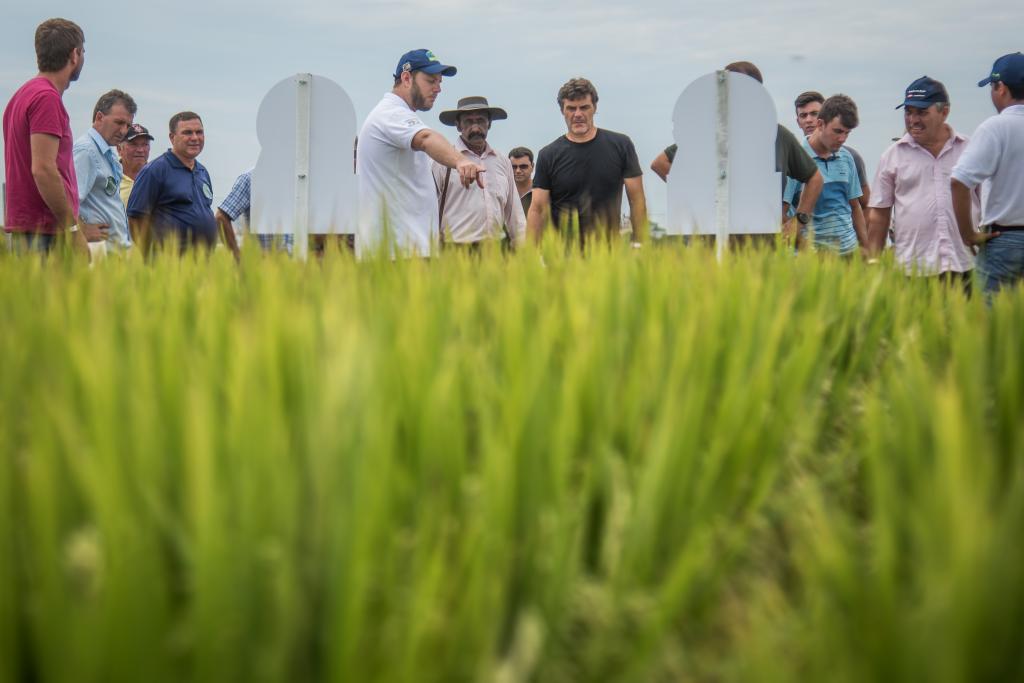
(838,220)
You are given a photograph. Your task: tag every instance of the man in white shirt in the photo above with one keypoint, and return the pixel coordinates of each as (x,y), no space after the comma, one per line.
(993,159)
(398,201)
(471,216)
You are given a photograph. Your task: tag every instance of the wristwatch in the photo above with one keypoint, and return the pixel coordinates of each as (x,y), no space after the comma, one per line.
(803,218)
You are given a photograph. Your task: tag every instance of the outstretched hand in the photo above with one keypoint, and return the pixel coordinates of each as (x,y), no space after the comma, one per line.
(470,173)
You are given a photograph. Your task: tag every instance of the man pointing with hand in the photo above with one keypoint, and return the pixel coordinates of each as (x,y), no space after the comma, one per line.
(398,200)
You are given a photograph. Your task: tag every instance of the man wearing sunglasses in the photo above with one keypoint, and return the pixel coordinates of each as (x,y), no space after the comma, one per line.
(522,170)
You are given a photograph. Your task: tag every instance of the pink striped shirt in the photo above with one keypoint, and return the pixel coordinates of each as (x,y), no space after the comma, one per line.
(916,185)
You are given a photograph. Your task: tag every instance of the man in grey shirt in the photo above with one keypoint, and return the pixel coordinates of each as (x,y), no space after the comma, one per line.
(99,170)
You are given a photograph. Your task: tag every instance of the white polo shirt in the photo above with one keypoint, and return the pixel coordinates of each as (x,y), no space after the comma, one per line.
(995,160)
(396,188)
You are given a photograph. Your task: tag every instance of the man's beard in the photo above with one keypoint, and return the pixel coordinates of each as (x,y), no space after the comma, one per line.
(419,100)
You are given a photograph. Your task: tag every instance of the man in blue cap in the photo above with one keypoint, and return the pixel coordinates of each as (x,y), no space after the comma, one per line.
(398,198)
(993,160)
(912,193)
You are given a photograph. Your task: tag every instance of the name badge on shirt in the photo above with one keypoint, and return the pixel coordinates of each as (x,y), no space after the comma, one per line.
(110,187)
(207,191)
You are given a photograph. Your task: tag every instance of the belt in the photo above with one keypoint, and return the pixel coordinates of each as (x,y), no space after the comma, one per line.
(995,227)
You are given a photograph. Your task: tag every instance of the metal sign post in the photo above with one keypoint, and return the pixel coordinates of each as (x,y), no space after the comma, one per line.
(301,220)
(722,151)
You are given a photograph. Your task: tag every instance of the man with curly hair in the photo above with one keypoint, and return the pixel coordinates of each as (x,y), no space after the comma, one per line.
(579,177)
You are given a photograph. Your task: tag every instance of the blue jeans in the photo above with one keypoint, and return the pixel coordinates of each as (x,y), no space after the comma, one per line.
(1001,261)
(269,242)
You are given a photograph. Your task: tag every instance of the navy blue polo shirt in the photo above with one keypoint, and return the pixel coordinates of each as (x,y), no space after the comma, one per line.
(179,200)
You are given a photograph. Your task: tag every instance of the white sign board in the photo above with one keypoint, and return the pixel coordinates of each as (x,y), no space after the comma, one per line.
(304,181)
(723,178)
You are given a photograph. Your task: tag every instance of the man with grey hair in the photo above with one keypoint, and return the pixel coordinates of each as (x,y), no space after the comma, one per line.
(101,214)
(911,189)
(471,216)
(580,176)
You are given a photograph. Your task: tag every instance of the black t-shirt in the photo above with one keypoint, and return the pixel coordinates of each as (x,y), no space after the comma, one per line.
(587,177)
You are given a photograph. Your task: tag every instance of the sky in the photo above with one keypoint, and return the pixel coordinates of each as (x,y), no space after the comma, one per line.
(220,57)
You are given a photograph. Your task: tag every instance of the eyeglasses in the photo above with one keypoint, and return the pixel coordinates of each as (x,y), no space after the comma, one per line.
(520,167)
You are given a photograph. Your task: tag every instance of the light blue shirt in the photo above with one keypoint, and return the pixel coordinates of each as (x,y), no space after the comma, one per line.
(99,178)
(833,215)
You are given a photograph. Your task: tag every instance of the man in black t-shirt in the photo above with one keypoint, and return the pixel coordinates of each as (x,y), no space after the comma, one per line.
(580,175)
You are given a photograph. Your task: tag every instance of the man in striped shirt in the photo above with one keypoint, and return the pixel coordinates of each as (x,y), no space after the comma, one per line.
(837,222)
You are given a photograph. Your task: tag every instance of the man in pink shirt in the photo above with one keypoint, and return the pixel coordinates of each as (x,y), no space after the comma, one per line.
(42,190)
(911,190)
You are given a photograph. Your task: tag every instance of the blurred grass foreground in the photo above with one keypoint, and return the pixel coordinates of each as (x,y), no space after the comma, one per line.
(623,466)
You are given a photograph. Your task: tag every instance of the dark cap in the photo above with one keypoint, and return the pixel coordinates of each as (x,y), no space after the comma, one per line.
(474,103)
(137,130)
(923,93)
(1008,69)
(425,61)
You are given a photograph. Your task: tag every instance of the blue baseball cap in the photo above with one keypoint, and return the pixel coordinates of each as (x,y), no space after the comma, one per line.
(1008,69)
(923,93)
(425,61)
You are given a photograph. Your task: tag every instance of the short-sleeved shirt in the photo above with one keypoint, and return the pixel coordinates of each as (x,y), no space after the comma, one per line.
(239,199)
(994,159)
(587,177)
(833,216)
(791,160)
(99,175)
(915,184)
(396,187)
(36,108)
(178,199)
(858,161)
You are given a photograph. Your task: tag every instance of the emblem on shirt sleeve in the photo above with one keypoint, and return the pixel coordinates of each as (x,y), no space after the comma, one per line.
(207,191)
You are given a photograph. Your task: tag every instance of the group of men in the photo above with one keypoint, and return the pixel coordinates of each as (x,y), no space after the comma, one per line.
(419,192)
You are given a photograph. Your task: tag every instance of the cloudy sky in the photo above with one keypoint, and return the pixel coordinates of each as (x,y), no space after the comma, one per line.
(219,58)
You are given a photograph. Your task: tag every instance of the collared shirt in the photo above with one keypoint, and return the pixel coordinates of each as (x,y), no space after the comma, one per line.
(99,178)
(833,216)
(995,160)
(177,198)
(397,198)
(474,215)
(915,185)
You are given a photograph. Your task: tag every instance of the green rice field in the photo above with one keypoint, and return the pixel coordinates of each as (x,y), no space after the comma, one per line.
(629,465)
